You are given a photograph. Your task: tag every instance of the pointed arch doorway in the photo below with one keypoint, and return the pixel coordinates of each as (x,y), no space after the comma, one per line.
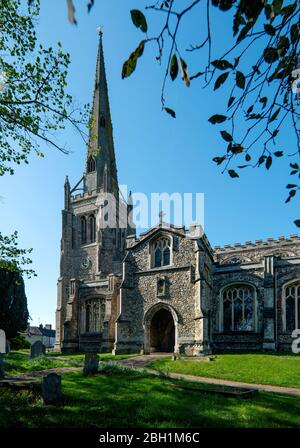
(161,329)
(162,332)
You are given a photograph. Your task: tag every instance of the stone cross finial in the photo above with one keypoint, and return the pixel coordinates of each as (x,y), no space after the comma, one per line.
(161,215)
(100,30)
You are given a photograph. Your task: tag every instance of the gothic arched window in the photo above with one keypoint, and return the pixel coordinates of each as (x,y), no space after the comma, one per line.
(102,122)
(91,165)
(83,229)
(237,308)
(92,228)
(161,252)
(291,304)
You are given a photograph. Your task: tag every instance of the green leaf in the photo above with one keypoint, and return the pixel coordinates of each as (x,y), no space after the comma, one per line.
(130,65)
(230,101)
(236,148)
(232,173)
(275,115)
(277,5)
(269,29)
(270,55)
(297,222)
(184,72)
(261,160)
(294,33)
(292,193)
(294,165)
(284,42)
(240,80)
(217,119)
(222,64)
(139,20)
(248,157)
(219,160)
(291,186)
(226,136)
(269,162)
(174,67)
(170,112)
(287,11)
(278,153)
(220,80)
(263,100)
(245,30)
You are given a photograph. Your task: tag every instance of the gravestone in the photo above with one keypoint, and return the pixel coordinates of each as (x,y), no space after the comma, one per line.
(91,364)
(1,366)
(51,389)
(37,349)
(2,342)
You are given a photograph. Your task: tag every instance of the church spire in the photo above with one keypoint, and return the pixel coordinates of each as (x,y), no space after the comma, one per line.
(101,151)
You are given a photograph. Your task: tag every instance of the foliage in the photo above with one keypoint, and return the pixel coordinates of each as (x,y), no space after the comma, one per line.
(12,258)
(13,303)
(33,101)
(261,90)
(260,67)
(276,369)
(18,343)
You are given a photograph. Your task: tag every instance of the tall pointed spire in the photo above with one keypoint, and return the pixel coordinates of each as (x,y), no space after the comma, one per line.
(101,145)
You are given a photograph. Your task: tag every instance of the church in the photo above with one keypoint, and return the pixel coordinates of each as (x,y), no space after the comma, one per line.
(167,290)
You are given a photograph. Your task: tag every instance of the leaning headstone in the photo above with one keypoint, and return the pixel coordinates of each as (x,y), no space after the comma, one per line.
(1,366)
(51,389)
(91,364)
(37,349)
(2,342)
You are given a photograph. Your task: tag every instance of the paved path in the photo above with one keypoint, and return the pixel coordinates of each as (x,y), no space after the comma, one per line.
(143,361)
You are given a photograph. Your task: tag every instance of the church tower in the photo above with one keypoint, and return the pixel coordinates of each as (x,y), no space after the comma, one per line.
(94,230)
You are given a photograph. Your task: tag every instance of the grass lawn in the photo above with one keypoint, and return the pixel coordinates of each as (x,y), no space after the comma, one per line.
(126,398)
(19,361)
(275,369)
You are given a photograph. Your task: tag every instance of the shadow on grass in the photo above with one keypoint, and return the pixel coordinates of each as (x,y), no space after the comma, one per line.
(124,399)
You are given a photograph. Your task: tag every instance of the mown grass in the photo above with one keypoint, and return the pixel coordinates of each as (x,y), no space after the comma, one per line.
(275,369)
(126,398)
(17,362)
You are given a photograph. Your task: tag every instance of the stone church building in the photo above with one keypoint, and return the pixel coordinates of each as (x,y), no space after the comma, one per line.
(168,290)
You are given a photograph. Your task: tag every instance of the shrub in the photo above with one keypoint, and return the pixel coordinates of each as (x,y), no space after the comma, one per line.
(18,343)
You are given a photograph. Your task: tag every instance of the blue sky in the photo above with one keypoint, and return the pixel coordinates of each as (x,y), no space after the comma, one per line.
(155,153)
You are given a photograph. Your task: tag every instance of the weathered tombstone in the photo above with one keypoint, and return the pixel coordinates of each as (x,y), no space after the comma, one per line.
(2,342)
(51,389)
(91,364)
(37,349)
